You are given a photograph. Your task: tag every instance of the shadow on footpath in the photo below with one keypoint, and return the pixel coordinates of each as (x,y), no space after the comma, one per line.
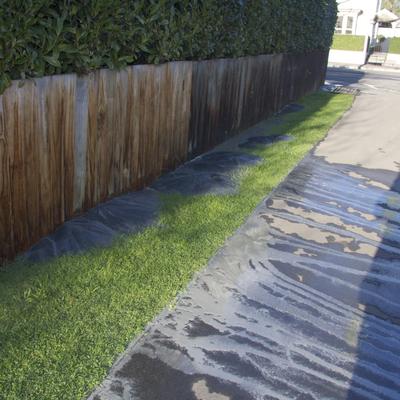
(376,373)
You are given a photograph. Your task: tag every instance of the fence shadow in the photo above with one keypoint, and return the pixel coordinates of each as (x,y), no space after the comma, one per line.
(344,76)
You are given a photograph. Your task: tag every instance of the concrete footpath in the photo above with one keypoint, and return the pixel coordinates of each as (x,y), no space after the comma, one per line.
(303,302)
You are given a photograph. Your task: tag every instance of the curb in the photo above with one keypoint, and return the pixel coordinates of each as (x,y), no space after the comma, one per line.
(369,67)
(366,67)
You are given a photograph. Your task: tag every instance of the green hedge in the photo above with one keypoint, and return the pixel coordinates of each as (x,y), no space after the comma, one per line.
(394,46)
(348,42)
(42,37)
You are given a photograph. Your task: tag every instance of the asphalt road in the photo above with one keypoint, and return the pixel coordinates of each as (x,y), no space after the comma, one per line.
(303,302)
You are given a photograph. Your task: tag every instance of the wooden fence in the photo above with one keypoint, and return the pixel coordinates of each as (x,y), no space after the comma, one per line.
(69,142)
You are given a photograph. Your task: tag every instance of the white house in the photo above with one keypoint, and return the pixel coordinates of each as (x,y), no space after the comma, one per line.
(388,24)
(358,17)
(365,18)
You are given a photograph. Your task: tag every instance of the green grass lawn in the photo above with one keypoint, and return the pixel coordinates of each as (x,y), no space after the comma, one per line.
(348,42)
(64,322)
(394,46)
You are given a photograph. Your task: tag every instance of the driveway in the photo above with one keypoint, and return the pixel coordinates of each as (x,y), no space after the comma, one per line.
(303,302)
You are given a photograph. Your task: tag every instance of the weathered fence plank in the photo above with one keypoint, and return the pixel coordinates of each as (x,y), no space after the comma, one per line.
(68,142)
(6,217)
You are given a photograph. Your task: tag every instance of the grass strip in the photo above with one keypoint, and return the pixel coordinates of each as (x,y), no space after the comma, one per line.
(348,42)
(394,46)
(64,322)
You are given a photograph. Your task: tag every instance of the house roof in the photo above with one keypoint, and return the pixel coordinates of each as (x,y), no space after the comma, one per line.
(385,15)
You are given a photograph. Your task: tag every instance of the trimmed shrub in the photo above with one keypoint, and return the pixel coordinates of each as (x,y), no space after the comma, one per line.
(348,42)
(44,37)
(394,46)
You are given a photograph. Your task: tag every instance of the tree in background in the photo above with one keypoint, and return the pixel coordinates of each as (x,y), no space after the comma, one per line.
(392,5)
